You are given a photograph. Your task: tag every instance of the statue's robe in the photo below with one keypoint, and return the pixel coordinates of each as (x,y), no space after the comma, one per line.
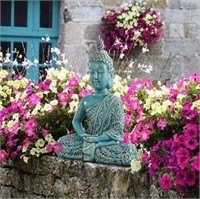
(105,117)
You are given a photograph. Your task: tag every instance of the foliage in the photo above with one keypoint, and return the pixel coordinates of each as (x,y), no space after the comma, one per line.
(135,25)
(34,115)
(164,123)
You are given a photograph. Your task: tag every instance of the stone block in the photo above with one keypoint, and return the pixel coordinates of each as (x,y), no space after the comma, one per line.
(190,4)
(5,176)
(193,30)
(176,30)
(192,16)
(161,4)
(191,65)
(182,47)
(92,32)
(173,16)
(156,48)
(177,66)
(86,14)
(73,33)
(82,3)
(77,56)
(173,4)
(113,3)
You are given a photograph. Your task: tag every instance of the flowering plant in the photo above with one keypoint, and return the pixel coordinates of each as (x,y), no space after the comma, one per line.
(164,123)
(132,26)
(34,115)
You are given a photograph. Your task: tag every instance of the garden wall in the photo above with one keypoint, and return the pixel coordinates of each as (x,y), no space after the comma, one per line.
(53,177)
(176,54)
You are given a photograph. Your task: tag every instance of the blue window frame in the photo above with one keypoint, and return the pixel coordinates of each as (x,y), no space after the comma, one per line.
(22,25)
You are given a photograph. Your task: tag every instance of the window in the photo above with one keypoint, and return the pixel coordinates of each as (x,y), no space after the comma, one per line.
(22,25)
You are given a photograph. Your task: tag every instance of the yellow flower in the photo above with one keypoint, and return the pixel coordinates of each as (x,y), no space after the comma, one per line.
(10,125)
(47,107)
(33,151)
(54,102)
(135,165)
(48,137)
(196,104)
(40,143)
(73,106)
(16,117)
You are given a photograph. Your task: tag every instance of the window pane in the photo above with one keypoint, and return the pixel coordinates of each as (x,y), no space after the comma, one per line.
(19,51)
(42,73)
(45,53)
(5,13)
(46,14)
(20,10)
(5,47)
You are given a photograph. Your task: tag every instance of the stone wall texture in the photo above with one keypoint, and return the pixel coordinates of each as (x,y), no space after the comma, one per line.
(53,177)
(176,55)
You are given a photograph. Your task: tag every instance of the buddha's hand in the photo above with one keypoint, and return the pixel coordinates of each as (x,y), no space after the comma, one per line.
(92,139)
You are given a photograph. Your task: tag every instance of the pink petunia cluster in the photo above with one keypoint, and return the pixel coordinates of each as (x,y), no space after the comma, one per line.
(171,137)
(132,26)
(39,112)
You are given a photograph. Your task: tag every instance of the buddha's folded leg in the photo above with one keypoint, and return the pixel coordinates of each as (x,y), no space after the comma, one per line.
(116,154)
(71,147)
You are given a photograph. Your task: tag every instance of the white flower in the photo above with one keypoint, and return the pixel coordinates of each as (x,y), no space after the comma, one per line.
(40,143)
(54,102)
(55,50)
(145,49)
(135,165)
(35,61)
(47,107)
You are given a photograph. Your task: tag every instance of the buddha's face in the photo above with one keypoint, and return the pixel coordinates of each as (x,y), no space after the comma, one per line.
(99,75)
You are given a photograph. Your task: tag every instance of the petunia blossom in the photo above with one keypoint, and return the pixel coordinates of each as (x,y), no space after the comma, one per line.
(166,182)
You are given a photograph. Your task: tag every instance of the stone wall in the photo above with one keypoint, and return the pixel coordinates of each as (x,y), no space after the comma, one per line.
(176,54)
(53,177)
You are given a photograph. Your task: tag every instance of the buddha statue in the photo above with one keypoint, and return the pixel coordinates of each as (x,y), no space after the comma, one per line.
(102,142)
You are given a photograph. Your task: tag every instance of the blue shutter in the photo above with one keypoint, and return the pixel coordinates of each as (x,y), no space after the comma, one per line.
(32,33)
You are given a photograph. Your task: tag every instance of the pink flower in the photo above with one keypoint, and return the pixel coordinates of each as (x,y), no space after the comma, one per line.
(44,132)
(191,130)
(134,137)
(191,144)
(33,100)
(166,182)
(15,128)
(190,178)
(49,148)
(156,161)
(183,161)
(162,123)
(145,158)
(3,155)
(128,119)
(126,138)
(84,93)
(31,124)
(144,135)
(30,132)
(57,146)
(181,177)
(43,87)
(134,105)
(63,99)
(14,155)
(195,164)
(181,139)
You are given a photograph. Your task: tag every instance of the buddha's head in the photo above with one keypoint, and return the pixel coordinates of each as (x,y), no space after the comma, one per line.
(101,67)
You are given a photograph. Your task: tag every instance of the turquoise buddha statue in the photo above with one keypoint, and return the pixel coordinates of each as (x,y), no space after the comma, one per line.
(102,142)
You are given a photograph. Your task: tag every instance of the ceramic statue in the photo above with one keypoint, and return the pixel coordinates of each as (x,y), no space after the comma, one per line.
(102,142)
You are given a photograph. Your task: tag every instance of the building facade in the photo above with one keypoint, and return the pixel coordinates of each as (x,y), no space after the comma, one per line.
(77,24)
